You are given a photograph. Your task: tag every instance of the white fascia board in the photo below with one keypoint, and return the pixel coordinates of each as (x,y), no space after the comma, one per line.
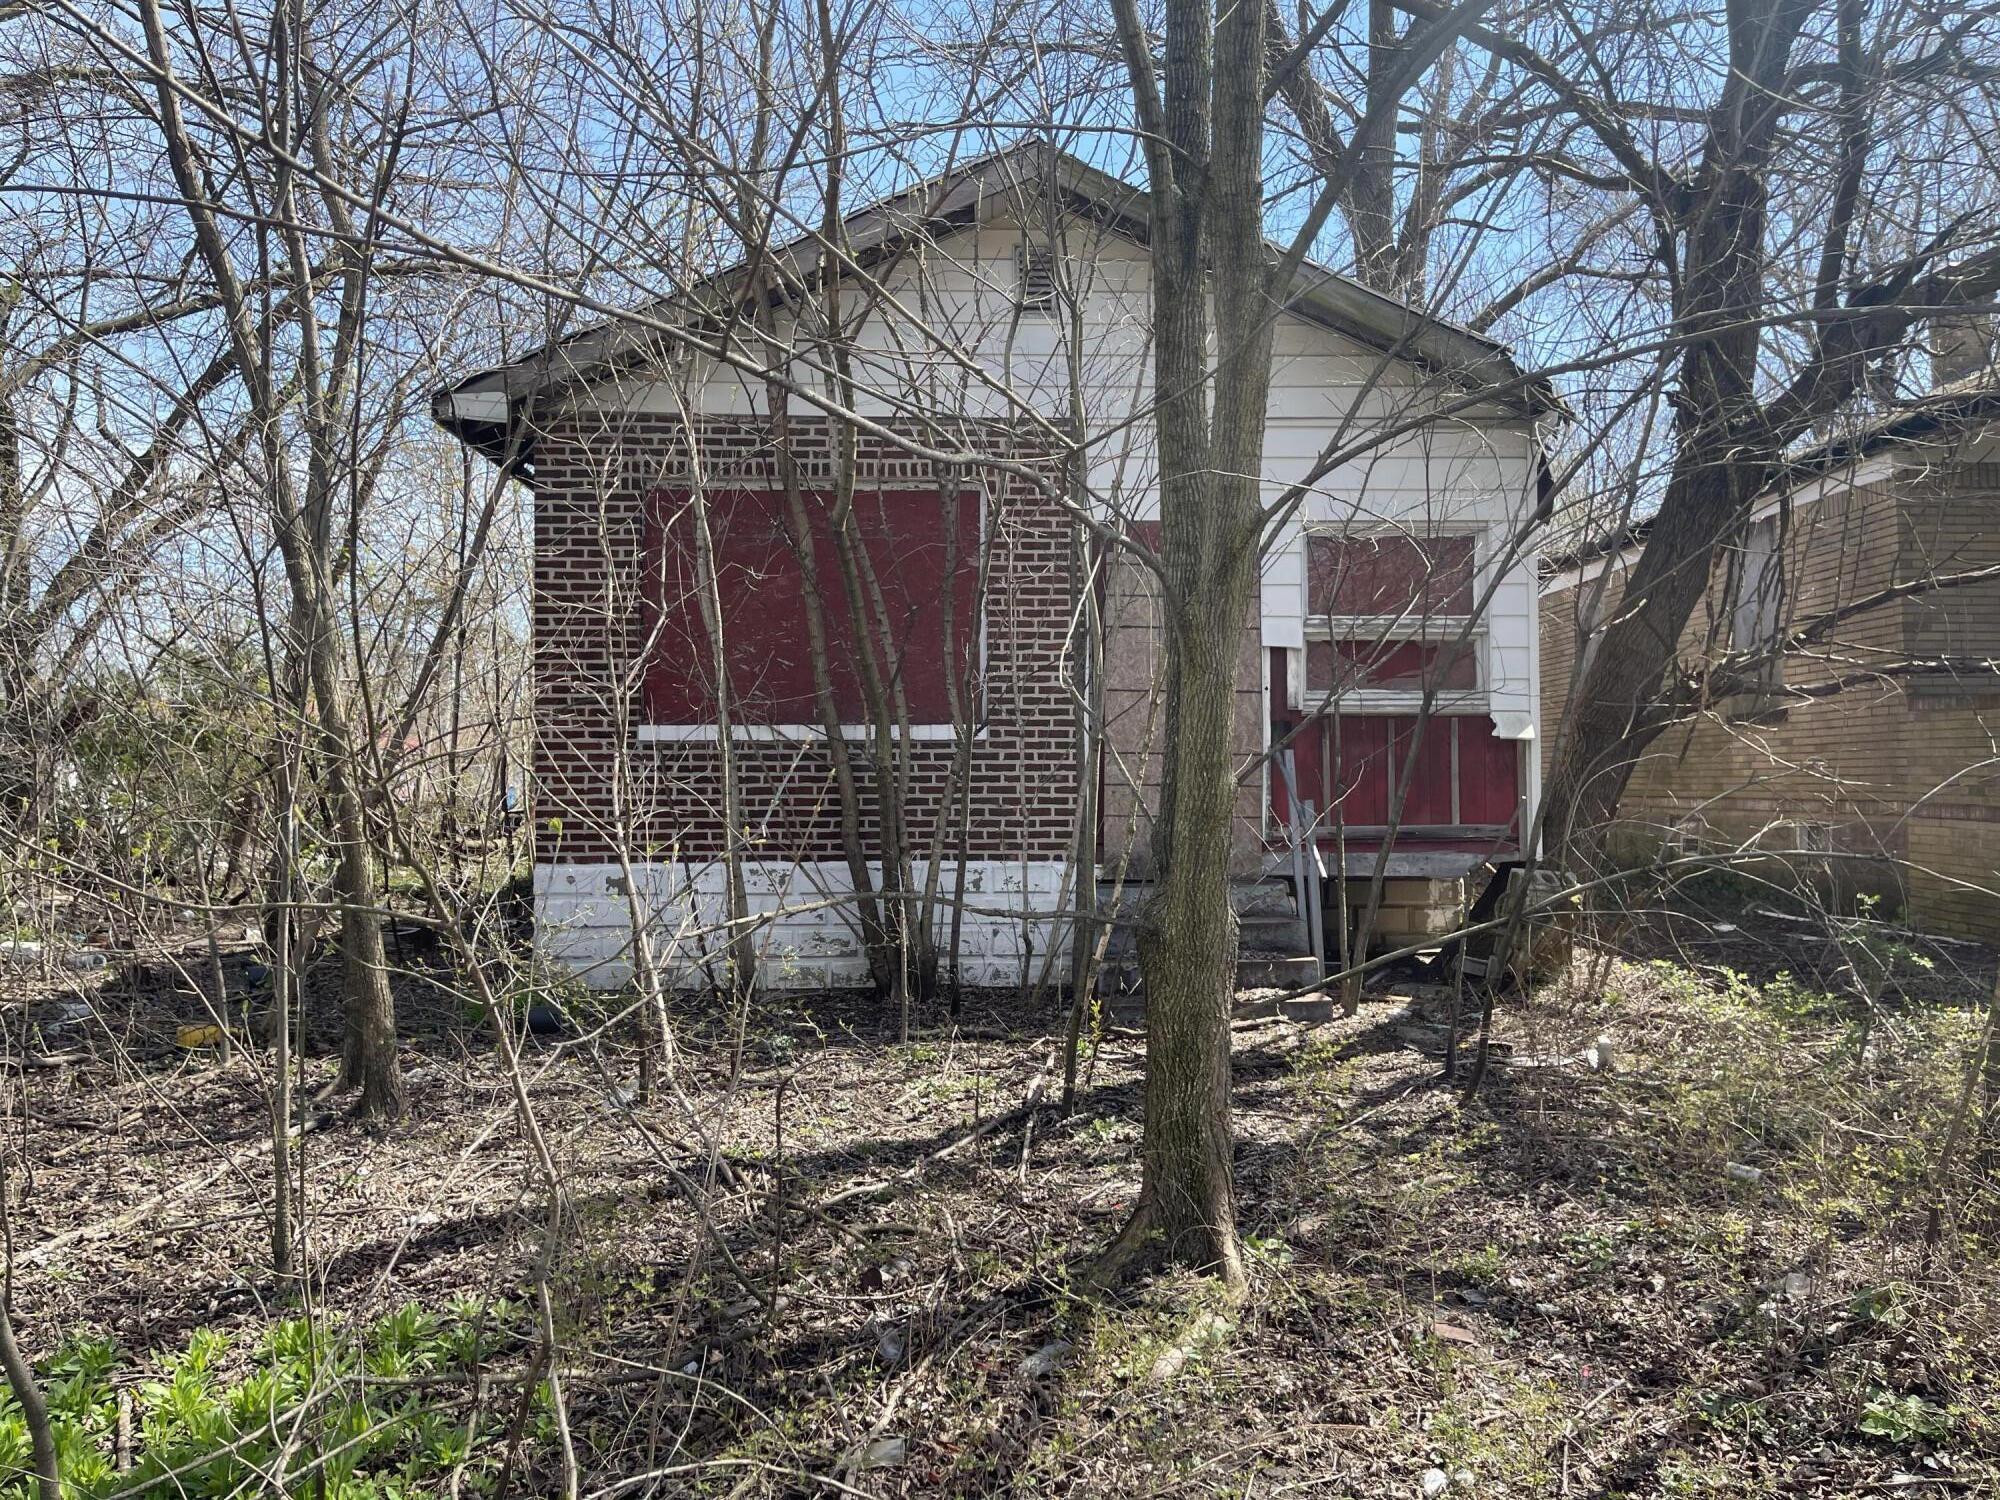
(699,734)
(479,406)
(1569,578)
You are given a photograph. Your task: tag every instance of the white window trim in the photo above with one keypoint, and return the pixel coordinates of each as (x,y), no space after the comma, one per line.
(1395,701)
(1332,629)
(1403,627)
(798,734)
(790,734)
(1409,625)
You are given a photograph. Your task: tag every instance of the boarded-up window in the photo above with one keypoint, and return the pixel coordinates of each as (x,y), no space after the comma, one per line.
(1390,573)
(1461,781)
(1390,666)
(1759,579)
(919,552)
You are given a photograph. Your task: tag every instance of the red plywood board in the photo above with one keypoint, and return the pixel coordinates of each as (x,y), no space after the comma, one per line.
(920,549)
(1399,666)
(1455,752)
(1423,577)
(1489,776)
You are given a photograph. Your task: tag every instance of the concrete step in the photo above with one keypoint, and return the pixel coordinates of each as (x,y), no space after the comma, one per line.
(1123,995)
(1276,971)
(1312,1006)
(1266,932)
(1267,913)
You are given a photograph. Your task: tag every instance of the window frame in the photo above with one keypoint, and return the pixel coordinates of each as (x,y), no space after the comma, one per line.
(649,731)
(1396,629)
(1756,601)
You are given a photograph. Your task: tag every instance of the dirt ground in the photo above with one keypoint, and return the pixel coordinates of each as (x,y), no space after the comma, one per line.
(1675,1246)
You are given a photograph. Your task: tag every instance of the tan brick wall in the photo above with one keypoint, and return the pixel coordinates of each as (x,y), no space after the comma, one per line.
(1903,774)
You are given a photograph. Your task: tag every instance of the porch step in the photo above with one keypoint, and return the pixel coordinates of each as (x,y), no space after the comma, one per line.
(1129,1008)
(1311,1006)
(1276,971)
(1271,944)
(1123,993)
(1267,917)
(1273,933)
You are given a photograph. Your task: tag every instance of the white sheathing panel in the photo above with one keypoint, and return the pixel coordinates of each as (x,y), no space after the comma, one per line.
(943,332)
(1284,586)
(1016,924)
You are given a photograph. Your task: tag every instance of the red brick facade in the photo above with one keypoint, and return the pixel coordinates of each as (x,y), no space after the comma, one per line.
(597,785)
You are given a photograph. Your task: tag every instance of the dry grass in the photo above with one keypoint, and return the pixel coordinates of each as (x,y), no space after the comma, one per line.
(1554,1289)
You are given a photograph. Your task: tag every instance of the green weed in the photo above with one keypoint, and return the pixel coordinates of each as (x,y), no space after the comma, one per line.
(307,1411)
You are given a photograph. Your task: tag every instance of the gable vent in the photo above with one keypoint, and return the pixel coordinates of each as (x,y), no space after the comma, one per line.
(1037,271)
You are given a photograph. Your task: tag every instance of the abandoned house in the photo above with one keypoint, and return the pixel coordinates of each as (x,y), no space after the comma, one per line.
(747,547)
(1862,760)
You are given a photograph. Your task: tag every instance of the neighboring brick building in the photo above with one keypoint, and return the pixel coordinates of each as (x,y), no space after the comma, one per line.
(685,561)
(1894,778)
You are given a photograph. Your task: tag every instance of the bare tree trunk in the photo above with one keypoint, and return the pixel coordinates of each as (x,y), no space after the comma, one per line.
(34,1410)
(368,1054)
(20,1374)
(1989,1079)
(962,697)
(1204,136)
(742,955)
(1371,207)
(1187,946)
(868,912)
(1089,687)
(1729,437)
(299,524)
(284,906)
(910,954)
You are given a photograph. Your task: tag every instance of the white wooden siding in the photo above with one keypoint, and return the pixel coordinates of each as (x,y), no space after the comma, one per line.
(954,342)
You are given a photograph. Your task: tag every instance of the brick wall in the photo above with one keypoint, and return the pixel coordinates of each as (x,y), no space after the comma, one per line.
(1135,720)
(600,785)
(598,788)
(1900,773)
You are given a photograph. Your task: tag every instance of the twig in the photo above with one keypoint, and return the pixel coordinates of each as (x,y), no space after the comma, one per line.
(876,1187)
(1034,1100)
(40,1253)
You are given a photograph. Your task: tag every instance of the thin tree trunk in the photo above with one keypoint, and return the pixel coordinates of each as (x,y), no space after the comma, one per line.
(1187,953)
(368,1054)
(962,700)
(302,533)
(1989,1077)
(742,957)
(1204,142)
(284,894)
(868,913)
(21,1374)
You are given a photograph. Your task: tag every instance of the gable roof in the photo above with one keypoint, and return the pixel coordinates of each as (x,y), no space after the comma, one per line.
(484,409)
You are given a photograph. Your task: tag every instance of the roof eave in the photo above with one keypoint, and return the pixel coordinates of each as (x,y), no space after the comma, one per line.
(1343,304)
